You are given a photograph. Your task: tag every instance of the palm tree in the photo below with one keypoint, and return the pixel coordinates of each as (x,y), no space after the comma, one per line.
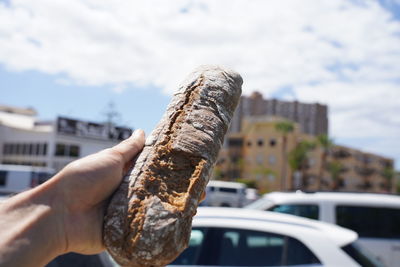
(262,174)
(298,159)
(335,168)
(284,127)
(325,143)
(388,174)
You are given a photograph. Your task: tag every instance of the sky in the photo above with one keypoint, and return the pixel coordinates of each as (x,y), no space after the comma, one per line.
(75,57)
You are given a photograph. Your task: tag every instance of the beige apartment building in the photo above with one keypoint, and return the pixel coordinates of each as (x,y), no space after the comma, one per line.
(312,118)
(257,154)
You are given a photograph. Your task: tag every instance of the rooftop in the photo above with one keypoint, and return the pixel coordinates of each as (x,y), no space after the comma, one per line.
(17,110)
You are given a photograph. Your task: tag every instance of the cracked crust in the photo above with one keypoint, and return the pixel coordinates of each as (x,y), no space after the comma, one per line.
(148,221)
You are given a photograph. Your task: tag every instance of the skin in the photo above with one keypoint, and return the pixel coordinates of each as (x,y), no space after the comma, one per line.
(65,214)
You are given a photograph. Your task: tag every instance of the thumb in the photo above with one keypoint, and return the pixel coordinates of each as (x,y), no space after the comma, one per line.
(131,146)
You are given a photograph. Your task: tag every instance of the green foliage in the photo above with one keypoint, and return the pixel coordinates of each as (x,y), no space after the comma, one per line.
(335,168)
(251,183)
(388,173)
(239,163)
(262,170)
(217,173)
(284,127)
(298,157)
(324,141)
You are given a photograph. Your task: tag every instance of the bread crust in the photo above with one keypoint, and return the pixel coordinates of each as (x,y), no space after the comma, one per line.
(148,220)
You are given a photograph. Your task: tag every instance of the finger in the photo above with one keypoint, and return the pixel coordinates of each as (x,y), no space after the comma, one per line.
(131,146)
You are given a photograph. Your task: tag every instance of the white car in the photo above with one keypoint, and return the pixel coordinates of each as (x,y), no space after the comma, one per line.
(375,217)
(17,178)
(225,194)
(240,237)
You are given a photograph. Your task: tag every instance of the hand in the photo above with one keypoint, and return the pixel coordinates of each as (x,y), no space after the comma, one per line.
(66,213)
(84,187)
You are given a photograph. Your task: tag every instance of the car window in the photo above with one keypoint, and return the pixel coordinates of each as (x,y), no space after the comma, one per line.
(303,210)
(373,222)
(237,247)
(228,190)
(262,203)
(190,254)
(361,256)
(76,260)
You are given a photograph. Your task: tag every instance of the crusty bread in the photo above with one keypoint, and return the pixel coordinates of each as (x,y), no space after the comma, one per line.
(148,221)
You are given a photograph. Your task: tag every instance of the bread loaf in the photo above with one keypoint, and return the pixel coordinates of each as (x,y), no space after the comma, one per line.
(148,220)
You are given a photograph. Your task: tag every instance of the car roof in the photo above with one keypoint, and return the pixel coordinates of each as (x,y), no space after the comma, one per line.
(226,184)
(25,168)
(338,197)
(292,224)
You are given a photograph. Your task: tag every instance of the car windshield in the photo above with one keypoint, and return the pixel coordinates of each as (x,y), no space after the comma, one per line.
(262,203)
(361,255)
(302,210)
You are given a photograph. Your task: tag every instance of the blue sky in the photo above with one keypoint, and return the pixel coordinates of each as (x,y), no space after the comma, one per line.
(74,57)
(138,107)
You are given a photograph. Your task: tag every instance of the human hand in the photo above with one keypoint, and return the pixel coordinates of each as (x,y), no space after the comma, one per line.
(83,188)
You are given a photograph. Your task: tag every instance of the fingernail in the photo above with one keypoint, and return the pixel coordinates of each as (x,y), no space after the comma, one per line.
(137,133)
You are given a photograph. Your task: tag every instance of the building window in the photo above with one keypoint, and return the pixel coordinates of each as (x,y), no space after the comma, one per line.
(272,142)
(30,149)
(235,142)
(44,149)
(37,149)
(271,159)
(271,178)
(40,149)
(60,150)
(11,149)
(5,149)
(18,149)
(234,159)
(260,159)
(74,151)
(260,142)
(64,150)
(249,143)
(25,149)
(3,178)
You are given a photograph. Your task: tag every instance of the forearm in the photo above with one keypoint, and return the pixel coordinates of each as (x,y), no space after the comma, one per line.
(30,226)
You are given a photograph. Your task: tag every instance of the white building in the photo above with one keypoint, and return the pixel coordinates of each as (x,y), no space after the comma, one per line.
(24,140)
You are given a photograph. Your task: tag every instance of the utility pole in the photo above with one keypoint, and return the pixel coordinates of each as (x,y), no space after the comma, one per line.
(112,116)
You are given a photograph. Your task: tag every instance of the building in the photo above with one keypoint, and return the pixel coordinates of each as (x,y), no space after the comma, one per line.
(312,118)
(257,154)
(360,171)
(25,140)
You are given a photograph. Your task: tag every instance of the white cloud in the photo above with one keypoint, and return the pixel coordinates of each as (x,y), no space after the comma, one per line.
(344,53)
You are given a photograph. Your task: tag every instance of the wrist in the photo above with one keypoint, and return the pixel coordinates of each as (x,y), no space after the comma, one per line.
(33,218)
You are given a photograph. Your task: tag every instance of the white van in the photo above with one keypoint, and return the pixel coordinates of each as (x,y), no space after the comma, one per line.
(225,194)
(17,178)
(375,217)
